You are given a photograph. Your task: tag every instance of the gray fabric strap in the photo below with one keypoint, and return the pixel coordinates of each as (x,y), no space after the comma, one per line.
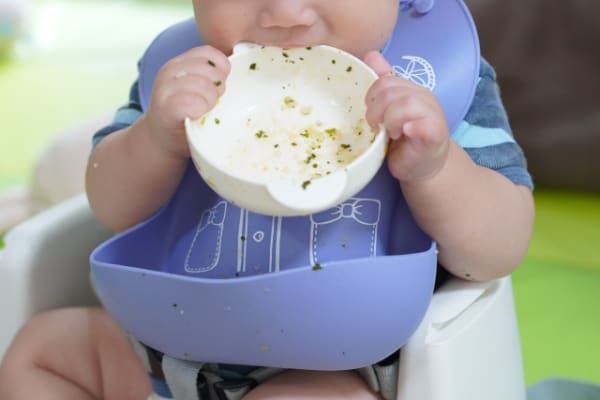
(189,380)
(141,352)
(197,381)
(200,381)
(388,380)
(182,377)
(382,379)
(262,374)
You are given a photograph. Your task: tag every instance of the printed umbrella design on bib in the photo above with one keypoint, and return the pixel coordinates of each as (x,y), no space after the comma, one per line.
(417,70)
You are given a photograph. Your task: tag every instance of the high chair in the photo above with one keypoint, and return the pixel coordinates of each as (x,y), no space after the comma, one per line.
(466,347)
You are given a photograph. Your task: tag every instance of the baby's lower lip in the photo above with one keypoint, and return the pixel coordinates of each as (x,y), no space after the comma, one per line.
(292,45)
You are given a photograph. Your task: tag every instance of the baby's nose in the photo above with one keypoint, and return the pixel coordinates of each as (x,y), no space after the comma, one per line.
(287,13)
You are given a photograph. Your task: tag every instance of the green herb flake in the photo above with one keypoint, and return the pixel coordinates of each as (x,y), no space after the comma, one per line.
(346,146)
(289,102)
(253,67)
(261,134)
(331,132)
(311,157)
(217,121)
(317,267)
(286,55)
(217,83)
(242,238)
(349,69)
(211,63)
(305,184)
(333,61)
(294,144)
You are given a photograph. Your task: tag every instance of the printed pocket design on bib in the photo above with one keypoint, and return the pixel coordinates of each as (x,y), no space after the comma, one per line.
(205,250)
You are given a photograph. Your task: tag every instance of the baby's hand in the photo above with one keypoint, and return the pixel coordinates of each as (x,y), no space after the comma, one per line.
(189,85)
(413,119)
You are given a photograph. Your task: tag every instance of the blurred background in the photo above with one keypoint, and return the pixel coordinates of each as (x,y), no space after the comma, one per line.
(67,61)
(66,65)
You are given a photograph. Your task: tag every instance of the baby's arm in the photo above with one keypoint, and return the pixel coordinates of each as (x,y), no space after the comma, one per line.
(133,172)
(481,221)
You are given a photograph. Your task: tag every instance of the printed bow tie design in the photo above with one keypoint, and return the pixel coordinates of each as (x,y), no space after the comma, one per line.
(363,211)
(346,231)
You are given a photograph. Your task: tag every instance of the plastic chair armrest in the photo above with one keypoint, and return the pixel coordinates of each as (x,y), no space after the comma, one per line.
(45,263)
(467,347)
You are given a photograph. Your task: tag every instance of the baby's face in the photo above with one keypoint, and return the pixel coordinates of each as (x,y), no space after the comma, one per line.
(356,26)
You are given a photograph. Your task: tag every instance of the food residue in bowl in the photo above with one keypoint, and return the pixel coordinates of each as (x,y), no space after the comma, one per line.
(293,143)
(290,122)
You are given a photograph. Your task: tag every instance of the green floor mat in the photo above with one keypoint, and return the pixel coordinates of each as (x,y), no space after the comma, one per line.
(559,321)
(567,229)
(557,289)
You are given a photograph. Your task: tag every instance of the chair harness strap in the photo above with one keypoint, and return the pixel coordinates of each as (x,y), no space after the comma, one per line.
(187,380)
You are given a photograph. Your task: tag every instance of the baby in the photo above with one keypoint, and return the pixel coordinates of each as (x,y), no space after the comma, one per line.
(472,196)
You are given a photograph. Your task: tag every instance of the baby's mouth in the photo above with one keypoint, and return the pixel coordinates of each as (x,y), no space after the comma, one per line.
(290,40)
(297,43)
(289,44)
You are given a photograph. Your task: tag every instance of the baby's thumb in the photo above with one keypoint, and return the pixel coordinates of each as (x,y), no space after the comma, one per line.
(378,63)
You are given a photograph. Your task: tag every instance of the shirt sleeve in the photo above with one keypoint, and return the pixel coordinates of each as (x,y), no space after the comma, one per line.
(485,132)
(124,117)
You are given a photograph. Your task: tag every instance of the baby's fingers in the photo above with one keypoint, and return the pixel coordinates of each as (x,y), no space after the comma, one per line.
(201,87)
(378,63)
(190,104)
(393,108)
(205,59)
(202,62)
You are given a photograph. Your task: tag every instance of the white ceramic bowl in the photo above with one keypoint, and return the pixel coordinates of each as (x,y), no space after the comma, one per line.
(289,136)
